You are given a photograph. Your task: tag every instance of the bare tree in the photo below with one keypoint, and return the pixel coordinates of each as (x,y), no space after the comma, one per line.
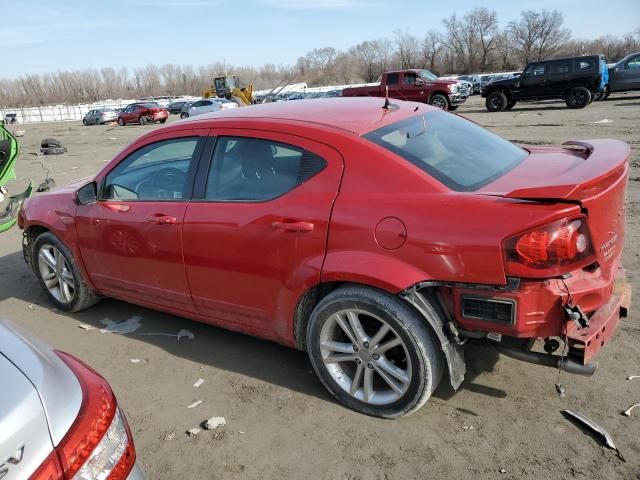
(485,23)
(505,46)
(539,34)
(407,49)
(431,46)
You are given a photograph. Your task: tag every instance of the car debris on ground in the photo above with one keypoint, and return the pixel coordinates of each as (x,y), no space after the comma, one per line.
(593,426)
(627,412)
(632,377)
(198,383)
(85,327)
(195,404)
(604,120)
(135,360)
(192,432)
(127,326)
(184,333)
(215,422)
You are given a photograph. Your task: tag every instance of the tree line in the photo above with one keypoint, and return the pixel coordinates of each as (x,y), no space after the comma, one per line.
(469,43)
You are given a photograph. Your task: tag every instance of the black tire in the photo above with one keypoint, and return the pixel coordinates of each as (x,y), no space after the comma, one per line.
(426,357)
(142,120)
(84,122)
(51,142)
(184,115)
(440,101)
(511,104)
(121,122)
(577,97)
(496,102)
(53,150)
(163,120)
(82,297)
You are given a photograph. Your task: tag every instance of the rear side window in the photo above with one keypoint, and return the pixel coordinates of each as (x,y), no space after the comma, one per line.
(458,153)
(585,65)
(556,68)
(393,78)
(254,170)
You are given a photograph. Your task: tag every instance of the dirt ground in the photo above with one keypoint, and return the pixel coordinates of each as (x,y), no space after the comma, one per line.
(280,421)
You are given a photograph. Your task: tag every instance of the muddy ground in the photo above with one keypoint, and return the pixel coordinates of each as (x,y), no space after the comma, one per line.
(280,421)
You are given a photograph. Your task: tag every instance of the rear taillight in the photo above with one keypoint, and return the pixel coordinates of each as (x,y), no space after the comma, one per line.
(549,250)
(99,444)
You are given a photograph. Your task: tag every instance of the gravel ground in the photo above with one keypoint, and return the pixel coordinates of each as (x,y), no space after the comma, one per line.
(280,421)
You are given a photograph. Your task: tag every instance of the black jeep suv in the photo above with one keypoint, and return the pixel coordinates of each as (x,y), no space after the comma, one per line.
(575,80)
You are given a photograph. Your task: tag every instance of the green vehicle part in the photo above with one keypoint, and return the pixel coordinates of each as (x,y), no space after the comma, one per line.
(9,152)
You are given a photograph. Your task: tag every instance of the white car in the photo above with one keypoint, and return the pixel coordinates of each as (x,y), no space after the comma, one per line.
(59,419)
(207,105)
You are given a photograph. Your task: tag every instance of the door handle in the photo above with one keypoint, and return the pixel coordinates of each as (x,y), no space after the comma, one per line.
(293,226)
(161,219)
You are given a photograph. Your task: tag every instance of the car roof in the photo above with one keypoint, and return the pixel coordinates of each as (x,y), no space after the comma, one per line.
(355,115)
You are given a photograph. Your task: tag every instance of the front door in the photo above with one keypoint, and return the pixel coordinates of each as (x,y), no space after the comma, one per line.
(627,75)
(257,237)
(130,240)
(533,82)
(413,87)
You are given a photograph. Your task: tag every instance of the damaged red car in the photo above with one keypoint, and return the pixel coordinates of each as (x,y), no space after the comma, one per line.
(377,237)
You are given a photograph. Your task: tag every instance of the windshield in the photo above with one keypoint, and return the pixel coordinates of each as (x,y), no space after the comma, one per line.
(458,153)
(426,75)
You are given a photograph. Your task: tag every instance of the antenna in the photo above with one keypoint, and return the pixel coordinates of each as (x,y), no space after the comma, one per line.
(387,104)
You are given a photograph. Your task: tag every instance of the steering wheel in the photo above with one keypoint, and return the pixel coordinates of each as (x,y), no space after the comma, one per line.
(168,180)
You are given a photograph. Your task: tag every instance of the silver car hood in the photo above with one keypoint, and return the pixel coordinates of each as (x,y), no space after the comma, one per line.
(57,386)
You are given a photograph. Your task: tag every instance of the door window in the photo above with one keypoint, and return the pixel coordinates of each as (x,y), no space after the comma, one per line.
(633,63)
(409,79)
(253,170)
(393,78)
(536,70)
(156,172)
(559,68)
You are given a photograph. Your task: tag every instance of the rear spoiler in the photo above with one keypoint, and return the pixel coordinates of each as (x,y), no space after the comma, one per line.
(605,161)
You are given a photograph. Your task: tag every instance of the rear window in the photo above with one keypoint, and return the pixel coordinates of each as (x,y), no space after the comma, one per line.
(585,65)
(458,153)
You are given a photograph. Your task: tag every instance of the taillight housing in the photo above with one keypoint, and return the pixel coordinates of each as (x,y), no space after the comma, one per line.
(99,444)
(549,250)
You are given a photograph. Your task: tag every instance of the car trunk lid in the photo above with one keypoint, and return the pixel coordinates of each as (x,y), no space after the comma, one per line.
(591,173)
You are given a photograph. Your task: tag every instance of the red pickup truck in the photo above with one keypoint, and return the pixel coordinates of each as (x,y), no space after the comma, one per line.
(417,86)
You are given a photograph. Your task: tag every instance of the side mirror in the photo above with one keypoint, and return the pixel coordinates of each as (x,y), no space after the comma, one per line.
(87,194)
(419,82)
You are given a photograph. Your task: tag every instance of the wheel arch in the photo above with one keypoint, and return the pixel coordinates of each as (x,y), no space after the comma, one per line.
(438,92)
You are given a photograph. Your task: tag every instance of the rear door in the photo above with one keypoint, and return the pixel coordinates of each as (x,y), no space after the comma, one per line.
(393,83)
(557,76)
(255,235)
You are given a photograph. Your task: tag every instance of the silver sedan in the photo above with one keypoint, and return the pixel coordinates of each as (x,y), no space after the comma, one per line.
(52,408)
(100,116)
(207,105)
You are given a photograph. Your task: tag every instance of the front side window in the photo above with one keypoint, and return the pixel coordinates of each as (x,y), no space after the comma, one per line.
(432,142)
(633,63)
(253,170)
(536,70)
(156,172)
(409,79)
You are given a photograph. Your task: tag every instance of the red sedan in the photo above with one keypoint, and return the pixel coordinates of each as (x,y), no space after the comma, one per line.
(377,239)
(143,113)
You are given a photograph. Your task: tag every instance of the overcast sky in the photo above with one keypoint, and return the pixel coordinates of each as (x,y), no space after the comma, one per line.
(50,35)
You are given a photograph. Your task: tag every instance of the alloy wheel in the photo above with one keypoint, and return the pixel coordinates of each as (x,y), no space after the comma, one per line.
(56,273)
(439,102)
(365,357)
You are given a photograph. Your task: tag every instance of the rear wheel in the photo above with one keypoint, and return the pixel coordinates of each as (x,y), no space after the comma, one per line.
(440,101)
(578,97)
(373,353)
(142,120)
(496,102)
(163,120)
(59,275)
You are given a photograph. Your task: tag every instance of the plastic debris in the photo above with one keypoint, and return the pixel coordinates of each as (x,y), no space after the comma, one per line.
(608,441)
(604,120)
(124,327)
(627,412)
(195,404)
(184,333)
(192,432)
(135,360)
(19,133)
(560,390)
(198,383)
(502,470)
(632,377)
(85,327)
(169,436)
(215,422)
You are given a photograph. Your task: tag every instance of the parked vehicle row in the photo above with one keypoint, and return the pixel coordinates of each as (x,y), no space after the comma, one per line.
(320,246)
(100,116)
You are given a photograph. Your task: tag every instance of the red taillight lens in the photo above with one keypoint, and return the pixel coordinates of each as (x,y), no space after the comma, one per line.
(50,469)
(547,251)
(99,443)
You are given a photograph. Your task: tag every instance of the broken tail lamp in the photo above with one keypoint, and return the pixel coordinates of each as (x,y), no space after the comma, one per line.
(549,250)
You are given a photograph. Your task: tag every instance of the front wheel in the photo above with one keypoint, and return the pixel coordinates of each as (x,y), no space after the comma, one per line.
(440,101)
(184,115)
(59,275)
(578,97)
(496,102)
(373,353)
(142,120)
(121,122)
